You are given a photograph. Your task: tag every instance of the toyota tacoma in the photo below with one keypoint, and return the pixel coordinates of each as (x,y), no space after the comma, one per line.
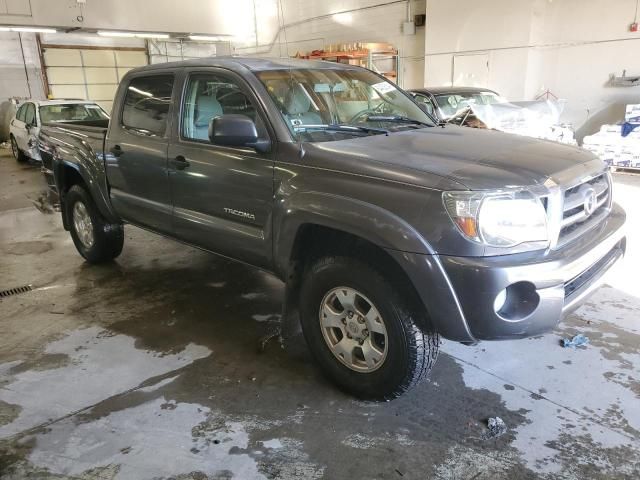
(389,230)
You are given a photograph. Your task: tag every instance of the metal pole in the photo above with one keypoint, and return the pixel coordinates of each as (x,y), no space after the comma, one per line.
(24,62)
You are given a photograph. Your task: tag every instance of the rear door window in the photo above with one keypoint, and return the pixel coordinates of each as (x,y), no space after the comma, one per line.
(146,104)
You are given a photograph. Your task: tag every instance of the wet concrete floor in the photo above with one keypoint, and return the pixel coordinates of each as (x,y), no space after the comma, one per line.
(149,367)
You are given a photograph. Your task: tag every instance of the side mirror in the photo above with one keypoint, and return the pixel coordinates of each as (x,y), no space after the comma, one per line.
(234,130)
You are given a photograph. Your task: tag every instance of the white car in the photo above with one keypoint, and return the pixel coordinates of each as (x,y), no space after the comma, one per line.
(25,126)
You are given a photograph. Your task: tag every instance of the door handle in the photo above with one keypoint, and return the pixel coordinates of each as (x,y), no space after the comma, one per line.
(180,162)
(116,150)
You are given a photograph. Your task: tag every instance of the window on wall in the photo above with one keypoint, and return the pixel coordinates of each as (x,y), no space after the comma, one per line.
(209,96)
(89,74)
(146,104)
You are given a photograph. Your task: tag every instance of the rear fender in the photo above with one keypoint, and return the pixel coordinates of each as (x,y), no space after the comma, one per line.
(72,165)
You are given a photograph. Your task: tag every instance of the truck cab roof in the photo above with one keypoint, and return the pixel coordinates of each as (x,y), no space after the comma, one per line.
(254,64)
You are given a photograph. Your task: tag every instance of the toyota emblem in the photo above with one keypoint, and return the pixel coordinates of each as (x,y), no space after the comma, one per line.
(590,201)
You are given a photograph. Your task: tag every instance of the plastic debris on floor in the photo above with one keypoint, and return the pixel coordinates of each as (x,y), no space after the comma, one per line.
(618,145)
(496,427)
(579,340)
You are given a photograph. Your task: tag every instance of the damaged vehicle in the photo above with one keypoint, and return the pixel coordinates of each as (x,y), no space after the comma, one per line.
(388,230)
(32,114)
(482,108)
(451,104)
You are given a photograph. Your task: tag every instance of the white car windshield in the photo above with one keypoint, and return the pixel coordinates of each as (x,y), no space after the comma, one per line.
(329,104)
(72,112)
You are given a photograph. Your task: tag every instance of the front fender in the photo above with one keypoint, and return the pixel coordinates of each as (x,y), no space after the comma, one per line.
(371,222)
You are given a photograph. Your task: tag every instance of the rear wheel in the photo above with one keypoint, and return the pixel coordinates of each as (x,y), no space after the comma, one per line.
(17,153)
(362,332)
(95,238)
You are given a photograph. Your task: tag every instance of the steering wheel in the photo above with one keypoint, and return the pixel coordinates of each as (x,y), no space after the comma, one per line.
(377,110)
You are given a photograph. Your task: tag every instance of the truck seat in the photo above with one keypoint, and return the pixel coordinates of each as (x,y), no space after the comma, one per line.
(207,107)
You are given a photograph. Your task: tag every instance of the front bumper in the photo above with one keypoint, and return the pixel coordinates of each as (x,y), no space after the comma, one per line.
(460,291)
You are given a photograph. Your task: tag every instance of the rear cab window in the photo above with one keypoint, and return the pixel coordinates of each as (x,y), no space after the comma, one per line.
(146,104)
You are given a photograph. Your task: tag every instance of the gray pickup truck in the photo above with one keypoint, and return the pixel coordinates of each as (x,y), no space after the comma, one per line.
(388,229)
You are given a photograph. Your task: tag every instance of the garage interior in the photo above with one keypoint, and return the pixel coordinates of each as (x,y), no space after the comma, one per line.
(167,363)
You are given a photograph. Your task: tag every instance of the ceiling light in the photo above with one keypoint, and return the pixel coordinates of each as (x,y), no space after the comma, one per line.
(116,34)
(28,29)
(206,38)
(109,33)
(152,35)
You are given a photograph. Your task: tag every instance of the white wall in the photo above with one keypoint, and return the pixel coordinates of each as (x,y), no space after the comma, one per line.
(259,27)
(286,27)
(569,47)
(198,16)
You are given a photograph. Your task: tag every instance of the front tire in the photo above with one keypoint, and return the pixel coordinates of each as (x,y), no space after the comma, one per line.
(17,153)
(362,331)
(96,239)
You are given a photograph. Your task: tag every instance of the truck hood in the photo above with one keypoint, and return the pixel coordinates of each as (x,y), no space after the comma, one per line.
(473,158)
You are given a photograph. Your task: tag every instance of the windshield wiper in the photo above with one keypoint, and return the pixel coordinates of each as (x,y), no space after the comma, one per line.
(347,128)
(396,119)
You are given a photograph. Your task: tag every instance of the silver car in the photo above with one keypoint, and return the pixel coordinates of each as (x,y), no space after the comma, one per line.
(25,126)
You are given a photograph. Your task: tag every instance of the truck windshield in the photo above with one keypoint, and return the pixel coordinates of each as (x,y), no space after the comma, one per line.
(72,112)
(314,101)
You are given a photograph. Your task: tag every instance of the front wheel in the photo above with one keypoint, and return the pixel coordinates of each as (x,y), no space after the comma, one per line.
(17,153)
(95,238)
(362,332)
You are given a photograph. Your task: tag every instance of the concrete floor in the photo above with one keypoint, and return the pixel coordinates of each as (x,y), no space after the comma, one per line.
(150,368)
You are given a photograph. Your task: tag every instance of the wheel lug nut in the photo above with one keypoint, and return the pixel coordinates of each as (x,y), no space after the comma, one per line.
(350,314)
(344,321)
(360,320)
(365,332)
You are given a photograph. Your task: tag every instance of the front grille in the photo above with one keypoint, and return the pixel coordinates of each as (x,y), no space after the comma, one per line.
(575,218)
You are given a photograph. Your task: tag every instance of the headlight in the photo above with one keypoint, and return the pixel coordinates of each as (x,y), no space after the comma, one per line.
(498,219)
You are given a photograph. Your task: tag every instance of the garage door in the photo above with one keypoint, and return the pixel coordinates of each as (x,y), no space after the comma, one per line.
(88,73)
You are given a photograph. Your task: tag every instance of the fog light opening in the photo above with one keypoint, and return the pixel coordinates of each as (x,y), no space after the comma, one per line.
(520,300)
(500,300)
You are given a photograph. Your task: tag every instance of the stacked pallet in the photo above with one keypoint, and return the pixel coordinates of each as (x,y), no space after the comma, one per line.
(618,145)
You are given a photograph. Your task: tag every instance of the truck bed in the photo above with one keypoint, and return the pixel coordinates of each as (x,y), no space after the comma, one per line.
(73,135)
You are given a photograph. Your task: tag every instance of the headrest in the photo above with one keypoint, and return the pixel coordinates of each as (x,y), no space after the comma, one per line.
(207,108)
(298,101)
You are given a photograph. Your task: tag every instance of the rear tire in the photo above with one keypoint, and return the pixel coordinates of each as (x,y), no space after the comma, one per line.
(17,153)
(387,352)
(96,239)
